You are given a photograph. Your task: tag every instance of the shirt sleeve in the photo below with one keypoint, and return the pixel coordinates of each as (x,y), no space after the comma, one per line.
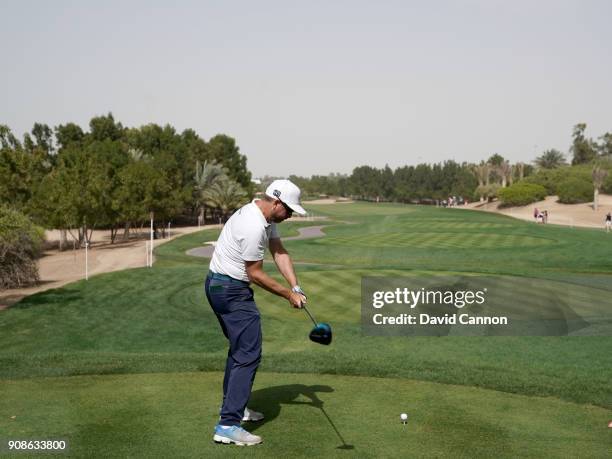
(274,234)
(252,245)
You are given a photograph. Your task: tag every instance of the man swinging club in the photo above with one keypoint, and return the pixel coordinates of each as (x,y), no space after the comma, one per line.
(237,261)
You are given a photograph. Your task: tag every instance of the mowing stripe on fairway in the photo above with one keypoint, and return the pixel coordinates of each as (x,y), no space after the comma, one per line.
(433,240)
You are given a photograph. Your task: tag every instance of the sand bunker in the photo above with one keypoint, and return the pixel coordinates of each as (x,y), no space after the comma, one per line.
(581,215)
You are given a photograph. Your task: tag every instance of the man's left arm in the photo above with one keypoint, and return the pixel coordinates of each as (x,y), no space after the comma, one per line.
(283,261)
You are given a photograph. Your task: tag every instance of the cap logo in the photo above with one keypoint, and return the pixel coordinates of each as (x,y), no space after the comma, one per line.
(276,193)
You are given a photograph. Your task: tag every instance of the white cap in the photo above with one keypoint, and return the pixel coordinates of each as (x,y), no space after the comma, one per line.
(287,192)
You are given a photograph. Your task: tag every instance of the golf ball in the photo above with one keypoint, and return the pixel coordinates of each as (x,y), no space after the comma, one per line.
(403,416)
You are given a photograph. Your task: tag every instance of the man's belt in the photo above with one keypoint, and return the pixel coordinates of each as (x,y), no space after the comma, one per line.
(224,277)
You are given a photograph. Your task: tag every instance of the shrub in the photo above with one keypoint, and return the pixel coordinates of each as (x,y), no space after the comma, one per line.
(521,194)
(575,190)
(551,178)
(20,243)
(548,178)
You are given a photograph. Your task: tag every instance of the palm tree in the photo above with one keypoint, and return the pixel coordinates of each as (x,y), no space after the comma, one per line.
(136,154)
(505,172)
(224,194)
(551,159)
(206,176)
(599,175)
(482,172)
(521,169)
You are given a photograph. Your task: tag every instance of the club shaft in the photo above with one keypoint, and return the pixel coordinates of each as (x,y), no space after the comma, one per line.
(309,314)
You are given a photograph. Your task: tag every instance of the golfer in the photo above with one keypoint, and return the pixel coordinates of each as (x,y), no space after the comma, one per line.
(236,262)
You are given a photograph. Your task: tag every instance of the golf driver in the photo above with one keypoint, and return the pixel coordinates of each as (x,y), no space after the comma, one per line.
(321,333)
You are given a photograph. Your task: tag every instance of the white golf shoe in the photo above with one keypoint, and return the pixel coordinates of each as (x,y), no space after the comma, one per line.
(236,435)
(251,415)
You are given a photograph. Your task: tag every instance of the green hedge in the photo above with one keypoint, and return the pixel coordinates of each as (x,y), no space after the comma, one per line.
(552,178)
(20,244)
(521,194)
(574,190)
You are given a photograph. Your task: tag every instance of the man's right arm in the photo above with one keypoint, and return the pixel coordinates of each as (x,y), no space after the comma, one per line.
(258,276)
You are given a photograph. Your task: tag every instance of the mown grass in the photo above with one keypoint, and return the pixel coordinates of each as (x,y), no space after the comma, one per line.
(148,318)
(158,321)
(172,415)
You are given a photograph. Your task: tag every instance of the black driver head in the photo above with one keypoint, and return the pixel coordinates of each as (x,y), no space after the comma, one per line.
(321,334)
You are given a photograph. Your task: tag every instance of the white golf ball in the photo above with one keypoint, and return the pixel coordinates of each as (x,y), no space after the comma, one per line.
(403,416)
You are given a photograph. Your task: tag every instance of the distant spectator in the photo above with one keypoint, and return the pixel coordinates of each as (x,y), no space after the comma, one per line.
(545,219)
(536,214)
(608,222)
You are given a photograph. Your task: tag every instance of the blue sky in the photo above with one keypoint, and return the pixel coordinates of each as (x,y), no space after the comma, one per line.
(313,87)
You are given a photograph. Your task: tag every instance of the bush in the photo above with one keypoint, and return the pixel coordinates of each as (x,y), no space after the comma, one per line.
(575,190)
(548,178)
(552,178)
(20,243)
(521,194)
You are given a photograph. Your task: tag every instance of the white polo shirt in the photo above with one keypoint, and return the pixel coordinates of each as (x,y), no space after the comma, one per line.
(243,238)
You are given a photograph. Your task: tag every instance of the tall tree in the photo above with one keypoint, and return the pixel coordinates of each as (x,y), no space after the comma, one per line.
(583,149)
(482,172)
(550,159)
(605,147)
(206,175)
(225,195)
(68,133)
(505,172)
(599,176)
(496,160)
(7,138)
(105,128)
(43,135)
(520,168)
(223,150)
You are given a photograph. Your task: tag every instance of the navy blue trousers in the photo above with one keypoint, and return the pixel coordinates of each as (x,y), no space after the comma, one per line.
(237,313)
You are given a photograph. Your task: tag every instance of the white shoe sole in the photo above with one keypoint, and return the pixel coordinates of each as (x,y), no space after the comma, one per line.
(227,441)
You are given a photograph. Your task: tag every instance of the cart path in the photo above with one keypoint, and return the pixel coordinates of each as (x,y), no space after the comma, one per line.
(60,268)
(308,232)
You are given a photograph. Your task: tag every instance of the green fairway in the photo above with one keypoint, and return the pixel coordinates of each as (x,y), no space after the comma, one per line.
(424,240)
(133,356)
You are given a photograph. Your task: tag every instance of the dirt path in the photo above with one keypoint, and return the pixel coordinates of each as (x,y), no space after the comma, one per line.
(60,268)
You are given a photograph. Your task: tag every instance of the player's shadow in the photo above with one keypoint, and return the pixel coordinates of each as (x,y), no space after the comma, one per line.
(270,399)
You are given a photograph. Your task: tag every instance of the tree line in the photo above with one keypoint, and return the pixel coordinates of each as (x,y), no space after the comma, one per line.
(112,176)
(426,183)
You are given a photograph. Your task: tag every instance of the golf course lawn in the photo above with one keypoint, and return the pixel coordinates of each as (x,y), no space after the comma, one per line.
(128,363)
(171,415)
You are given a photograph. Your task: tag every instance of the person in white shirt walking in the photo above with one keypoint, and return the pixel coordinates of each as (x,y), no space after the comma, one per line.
(236,262)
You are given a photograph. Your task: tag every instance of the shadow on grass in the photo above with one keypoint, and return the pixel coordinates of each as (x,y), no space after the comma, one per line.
(48,297)
(270,399)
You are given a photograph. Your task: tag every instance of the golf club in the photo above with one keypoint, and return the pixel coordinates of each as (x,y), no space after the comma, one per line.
(321,333)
